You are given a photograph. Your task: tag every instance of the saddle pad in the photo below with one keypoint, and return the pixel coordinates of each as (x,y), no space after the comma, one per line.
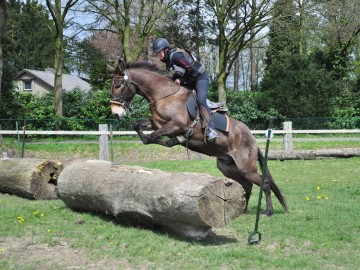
(221,121)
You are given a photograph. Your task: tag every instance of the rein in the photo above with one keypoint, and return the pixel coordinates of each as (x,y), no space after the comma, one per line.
(122,102)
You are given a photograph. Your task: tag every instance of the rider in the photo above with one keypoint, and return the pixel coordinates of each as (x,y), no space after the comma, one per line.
(190,71)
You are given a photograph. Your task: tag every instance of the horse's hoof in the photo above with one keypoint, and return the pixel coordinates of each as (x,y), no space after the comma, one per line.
(268,213)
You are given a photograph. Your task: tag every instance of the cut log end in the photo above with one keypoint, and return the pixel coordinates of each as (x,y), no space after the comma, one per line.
(222,202)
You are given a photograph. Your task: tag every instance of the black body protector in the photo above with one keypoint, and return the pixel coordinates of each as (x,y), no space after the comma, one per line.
(187,68)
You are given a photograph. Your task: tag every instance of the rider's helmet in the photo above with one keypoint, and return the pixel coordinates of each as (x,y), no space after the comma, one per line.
(160,44)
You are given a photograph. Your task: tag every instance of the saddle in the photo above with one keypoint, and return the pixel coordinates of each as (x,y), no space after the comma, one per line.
(216,106)
(218,112)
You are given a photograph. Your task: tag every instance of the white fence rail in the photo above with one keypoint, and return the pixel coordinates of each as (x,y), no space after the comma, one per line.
(104,133)
(116,133)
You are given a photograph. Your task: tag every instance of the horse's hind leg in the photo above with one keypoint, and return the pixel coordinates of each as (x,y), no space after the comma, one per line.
(228,167)
(242,167)
(246,164)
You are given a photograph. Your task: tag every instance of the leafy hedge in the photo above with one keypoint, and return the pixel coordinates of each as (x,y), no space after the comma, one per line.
(85,111)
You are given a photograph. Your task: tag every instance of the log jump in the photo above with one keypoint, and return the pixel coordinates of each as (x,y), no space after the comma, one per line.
(188,204)
(29,178)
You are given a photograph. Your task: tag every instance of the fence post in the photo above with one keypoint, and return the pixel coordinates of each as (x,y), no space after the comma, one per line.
(104,143)
(288,144)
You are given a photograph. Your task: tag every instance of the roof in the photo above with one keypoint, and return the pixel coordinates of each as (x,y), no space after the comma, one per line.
(69,81)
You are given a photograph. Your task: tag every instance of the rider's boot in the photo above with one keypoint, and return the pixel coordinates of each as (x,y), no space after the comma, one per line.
(210,132)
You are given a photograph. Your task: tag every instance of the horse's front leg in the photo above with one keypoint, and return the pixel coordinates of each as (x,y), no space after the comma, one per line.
(154,137)
(148,123)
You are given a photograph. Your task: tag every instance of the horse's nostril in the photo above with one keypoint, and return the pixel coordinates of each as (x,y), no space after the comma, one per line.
(117,85)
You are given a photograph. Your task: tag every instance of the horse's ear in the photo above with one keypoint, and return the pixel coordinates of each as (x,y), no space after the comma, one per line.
(121,65)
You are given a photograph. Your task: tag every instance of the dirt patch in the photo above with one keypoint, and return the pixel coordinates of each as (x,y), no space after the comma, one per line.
(35,255)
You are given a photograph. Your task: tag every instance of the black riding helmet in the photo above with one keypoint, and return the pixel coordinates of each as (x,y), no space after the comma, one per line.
(160,44)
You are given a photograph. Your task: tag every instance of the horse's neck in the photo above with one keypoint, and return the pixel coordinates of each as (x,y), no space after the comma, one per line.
(153,86)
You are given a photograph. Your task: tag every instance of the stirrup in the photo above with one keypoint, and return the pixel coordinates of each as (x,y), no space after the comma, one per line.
(211,134)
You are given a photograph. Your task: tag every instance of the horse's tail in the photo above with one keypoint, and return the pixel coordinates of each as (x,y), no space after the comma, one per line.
(273,186)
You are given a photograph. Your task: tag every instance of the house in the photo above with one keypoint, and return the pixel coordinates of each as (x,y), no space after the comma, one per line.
(41,82)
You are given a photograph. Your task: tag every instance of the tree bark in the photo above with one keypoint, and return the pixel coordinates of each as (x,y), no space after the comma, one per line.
(2,26)
(188,204)
(29,178)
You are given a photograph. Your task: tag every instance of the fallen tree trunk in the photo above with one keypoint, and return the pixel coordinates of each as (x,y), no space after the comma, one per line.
(315,154)
(29,178)
(188,204)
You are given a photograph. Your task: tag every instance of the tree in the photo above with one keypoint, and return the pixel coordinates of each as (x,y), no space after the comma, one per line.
(2,25)
(339,29)
(307,76)
(60,23)
(132,21)
(232,36)
(27,40)
(284,32)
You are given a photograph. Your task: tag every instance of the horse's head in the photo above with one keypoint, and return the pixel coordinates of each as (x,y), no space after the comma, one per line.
(122,90)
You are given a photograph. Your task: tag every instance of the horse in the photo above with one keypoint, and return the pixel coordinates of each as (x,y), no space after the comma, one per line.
(236,151)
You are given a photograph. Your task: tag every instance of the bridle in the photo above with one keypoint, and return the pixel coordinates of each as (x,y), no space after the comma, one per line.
(120,100)
(117,82)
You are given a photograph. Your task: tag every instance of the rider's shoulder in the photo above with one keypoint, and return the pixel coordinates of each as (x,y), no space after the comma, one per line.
(176,52)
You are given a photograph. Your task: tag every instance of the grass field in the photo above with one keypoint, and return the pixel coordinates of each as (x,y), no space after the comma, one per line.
(322,230)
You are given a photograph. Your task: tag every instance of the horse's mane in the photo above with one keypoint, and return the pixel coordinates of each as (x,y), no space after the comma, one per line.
(148,66)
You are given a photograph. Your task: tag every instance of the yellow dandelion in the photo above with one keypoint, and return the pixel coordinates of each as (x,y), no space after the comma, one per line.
(318,188)
(319,197)
(36,213)
(326,197)
(307,198)
(49,231)
(20,219)
(2,250)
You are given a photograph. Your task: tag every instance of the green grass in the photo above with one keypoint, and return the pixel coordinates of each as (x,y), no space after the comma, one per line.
(322,230)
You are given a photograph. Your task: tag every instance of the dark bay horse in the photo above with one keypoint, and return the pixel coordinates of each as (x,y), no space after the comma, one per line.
(236,151)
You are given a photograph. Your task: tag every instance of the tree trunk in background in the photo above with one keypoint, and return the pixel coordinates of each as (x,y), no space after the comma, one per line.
(2,25)
(253,67)
(59,61)
(236,75)
(59,21)
(58,13)
(236,63)
(197,29)
(222,75)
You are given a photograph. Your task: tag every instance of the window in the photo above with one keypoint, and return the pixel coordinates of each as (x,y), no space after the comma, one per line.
(27,86)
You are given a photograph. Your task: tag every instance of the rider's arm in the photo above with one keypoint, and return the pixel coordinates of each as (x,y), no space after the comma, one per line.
(179,60)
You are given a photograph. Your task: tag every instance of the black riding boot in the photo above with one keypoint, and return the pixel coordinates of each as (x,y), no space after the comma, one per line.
(210,132)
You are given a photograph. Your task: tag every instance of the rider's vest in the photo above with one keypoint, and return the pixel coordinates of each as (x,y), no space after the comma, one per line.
(197,67)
